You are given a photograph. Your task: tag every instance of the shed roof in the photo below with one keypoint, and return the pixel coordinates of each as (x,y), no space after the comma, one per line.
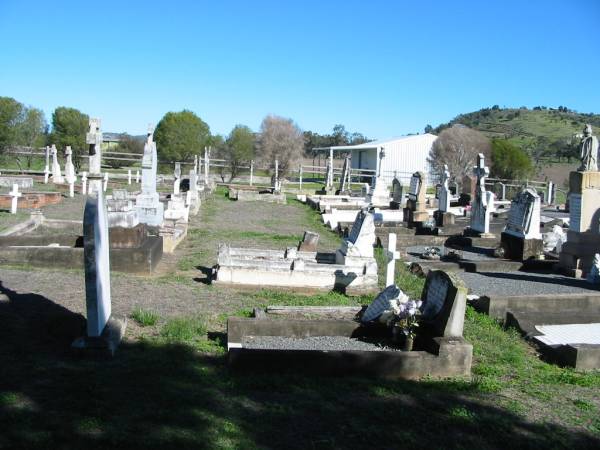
(375,144)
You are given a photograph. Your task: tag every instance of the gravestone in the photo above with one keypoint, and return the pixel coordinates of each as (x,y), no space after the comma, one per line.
(129,176)
(379,194)
(521,239)
(70,175)
(15,194)
(397,194)
(103,332)
(147,203)
(360,242)
(483,205)
(57,177)
(47,165)
(177,174)
(583,237)
(121,212)
(84,183)
(309,242)
(443,216)
(444,305)
(94,140)
(345,178)
(415,211)
(329,175)
(105,185)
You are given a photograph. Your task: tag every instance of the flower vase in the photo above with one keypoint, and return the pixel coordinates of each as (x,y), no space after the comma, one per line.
(407,344)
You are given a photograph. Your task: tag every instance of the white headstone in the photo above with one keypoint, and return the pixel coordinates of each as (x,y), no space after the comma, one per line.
(84,183)
(15,194)
(57,177)
(105,186)
(150,209)
(129,176)
(415,186)
(391,255)
(524,215)
(137,176)
(483,204)
(47,166)
(69,167)
(94,140)
(97,264)
(444,193)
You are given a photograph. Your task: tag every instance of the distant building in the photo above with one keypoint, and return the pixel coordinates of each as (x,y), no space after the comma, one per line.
(403,156)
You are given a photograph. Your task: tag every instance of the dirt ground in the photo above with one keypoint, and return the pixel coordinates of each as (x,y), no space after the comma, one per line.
(179,286)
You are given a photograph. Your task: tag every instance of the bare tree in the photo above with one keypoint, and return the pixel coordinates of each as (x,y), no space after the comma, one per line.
(280,139)
(458,147)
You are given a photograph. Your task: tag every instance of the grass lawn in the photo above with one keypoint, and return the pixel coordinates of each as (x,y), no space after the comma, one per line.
(169,385)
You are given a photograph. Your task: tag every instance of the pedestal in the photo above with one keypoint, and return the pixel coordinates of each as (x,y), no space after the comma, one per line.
(104,345)
(521,249)
(443,219)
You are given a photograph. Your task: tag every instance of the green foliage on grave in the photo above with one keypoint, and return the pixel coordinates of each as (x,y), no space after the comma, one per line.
(181,135)
(509,161)
(184,329)
(69,126)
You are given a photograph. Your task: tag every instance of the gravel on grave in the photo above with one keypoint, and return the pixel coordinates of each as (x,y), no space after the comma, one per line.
(524,283)
(413,253)
(319,343)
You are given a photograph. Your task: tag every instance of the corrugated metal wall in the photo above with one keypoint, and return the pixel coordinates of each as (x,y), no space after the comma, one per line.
(405,156)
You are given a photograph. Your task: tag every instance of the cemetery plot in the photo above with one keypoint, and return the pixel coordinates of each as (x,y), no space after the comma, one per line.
(347,347)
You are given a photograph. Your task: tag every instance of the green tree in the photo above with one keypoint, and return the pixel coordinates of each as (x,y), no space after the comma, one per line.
(69,126)
(239,148)
(181,135)
(510,161)
(32,130)
(10,114)
(127,144)
(428,128)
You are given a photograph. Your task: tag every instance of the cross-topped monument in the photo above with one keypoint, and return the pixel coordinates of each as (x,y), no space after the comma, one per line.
(57,177)
(150,209)
(483,204)
(94,140)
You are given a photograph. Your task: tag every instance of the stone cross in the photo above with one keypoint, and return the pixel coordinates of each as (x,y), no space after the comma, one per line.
(105,186)
(84,183)
(129,176)
(94,140)
(47,166)
(97,265)
(15,194)
(391,255)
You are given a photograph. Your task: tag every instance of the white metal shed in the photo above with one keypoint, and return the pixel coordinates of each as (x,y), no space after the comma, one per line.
(403,156)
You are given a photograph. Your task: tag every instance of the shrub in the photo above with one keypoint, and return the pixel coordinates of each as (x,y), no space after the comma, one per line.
(509,161)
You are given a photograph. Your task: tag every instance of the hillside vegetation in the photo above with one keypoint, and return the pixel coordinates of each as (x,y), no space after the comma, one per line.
(545,133)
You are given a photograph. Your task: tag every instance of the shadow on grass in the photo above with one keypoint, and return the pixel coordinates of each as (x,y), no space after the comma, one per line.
(158,395)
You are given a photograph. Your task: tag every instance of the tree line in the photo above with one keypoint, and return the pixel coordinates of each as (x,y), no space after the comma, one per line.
(179,136)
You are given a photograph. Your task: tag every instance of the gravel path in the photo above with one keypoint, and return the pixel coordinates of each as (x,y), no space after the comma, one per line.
(311,343)
(523,283)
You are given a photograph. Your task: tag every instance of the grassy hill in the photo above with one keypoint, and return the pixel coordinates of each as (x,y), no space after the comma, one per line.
(528,128)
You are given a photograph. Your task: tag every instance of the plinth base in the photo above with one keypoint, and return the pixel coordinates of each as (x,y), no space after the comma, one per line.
(104,345)
(521,249)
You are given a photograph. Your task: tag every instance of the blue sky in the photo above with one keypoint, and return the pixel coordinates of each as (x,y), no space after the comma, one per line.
(383,68)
